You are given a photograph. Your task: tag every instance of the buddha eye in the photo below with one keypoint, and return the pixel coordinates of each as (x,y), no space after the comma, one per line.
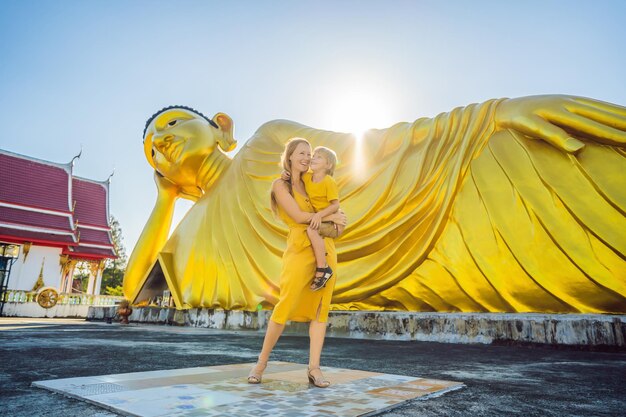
(173,122)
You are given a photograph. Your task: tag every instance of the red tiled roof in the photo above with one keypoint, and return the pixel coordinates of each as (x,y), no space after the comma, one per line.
(99,237)
(33,218)
(91,209)
(34,183)
(89,252)
(21,236)
(91,202)
(45,187)
(96,237)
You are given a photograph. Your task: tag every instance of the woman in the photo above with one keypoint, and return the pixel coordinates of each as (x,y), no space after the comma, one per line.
(297,302)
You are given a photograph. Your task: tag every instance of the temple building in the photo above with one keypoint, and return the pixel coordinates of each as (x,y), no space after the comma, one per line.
(51,222)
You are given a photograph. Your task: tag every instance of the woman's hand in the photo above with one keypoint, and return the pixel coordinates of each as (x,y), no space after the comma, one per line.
(339,218)
(554,118)
(316,220)
(285,175)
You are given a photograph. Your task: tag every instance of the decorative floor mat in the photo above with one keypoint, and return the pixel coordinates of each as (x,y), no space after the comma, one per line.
(224,391)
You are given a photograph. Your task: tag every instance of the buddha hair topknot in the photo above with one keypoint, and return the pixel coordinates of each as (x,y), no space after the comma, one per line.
(177,107)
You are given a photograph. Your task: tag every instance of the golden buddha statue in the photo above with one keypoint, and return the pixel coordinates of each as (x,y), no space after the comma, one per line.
(512,205)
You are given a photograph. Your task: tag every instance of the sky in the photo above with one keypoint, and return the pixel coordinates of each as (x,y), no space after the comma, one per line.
(88,74)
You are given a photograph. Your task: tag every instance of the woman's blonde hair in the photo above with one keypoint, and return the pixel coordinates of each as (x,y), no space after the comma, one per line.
(330,156)
(285,162)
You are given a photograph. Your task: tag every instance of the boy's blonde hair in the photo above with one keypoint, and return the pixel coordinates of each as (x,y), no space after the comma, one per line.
(330,156)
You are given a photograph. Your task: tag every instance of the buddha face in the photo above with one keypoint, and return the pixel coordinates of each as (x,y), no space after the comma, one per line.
(178,141)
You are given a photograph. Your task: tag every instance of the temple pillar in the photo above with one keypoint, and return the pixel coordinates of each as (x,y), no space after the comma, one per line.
(67,276)
(98,282)
(93,274)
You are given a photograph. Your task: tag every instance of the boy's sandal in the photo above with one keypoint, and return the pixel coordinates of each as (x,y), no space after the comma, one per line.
(319,282)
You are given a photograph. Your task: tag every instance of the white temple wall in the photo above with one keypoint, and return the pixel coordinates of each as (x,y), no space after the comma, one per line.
(24,274)
(35,310)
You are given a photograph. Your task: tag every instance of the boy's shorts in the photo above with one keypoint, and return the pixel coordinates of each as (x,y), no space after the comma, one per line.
(328,229)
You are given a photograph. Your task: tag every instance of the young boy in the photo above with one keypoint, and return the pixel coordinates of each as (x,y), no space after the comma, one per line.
(324,196)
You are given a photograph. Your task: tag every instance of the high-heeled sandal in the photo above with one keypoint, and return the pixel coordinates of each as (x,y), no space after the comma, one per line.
(320,383)
(320,282)
(255,377)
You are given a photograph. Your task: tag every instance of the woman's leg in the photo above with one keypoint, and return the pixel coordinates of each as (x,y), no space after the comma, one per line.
(317,333)
(272,334)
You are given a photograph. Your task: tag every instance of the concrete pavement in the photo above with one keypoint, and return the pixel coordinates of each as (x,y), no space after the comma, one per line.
(500,380)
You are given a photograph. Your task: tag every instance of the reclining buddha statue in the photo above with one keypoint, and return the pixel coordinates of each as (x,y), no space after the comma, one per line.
(512,205)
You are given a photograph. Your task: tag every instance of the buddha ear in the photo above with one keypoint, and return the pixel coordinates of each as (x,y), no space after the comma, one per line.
(226,141)
(147,149)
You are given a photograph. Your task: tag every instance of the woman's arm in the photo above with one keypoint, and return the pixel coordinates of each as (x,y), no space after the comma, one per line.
(339,218)
(332,208)
(320,216)
(288,203)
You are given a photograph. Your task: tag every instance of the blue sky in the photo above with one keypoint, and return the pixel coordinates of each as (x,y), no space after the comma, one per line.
(90,73)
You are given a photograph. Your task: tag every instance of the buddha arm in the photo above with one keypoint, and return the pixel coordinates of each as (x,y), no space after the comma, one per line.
(152,238)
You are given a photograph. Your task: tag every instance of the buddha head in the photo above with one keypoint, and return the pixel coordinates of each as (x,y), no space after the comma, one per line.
(178,140)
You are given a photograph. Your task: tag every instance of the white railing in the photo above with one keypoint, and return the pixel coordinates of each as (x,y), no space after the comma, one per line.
(19,296)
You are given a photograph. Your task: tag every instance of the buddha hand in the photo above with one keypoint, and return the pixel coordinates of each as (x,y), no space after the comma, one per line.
(166,188)
(556,118)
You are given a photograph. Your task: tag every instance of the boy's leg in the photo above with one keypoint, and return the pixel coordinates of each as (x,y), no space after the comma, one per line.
(319,249)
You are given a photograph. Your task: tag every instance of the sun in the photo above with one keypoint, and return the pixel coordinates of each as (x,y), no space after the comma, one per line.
(358,111)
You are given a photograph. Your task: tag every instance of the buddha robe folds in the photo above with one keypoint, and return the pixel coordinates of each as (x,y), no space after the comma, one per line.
(445,214)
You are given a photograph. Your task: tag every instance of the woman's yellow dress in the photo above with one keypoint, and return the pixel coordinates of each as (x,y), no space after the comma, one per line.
(297,302)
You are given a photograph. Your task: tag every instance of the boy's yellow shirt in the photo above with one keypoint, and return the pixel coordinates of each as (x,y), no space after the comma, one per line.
(320,193)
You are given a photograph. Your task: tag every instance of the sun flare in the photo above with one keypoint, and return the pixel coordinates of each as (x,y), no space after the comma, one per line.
(358,111)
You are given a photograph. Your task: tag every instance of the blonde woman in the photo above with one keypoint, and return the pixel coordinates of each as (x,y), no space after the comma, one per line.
(296,301)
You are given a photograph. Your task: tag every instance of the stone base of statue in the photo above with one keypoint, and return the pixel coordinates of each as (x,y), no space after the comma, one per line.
(580,330)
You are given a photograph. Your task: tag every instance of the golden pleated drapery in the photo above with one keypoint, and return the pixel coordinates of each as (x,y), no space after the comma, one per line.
(531,229)
(445,214)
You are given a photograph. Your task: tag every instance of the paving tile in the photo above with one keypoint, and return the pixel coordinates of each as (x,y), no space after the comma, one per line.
(223,391)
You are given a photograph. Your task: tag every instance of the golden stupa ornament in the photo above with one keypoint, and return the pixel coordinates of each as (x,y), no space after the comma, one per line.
(39,283)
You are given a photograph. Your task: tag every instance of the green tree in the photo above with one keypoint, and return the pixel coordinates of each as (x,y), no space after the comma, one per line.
(114,269)
(114,291)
